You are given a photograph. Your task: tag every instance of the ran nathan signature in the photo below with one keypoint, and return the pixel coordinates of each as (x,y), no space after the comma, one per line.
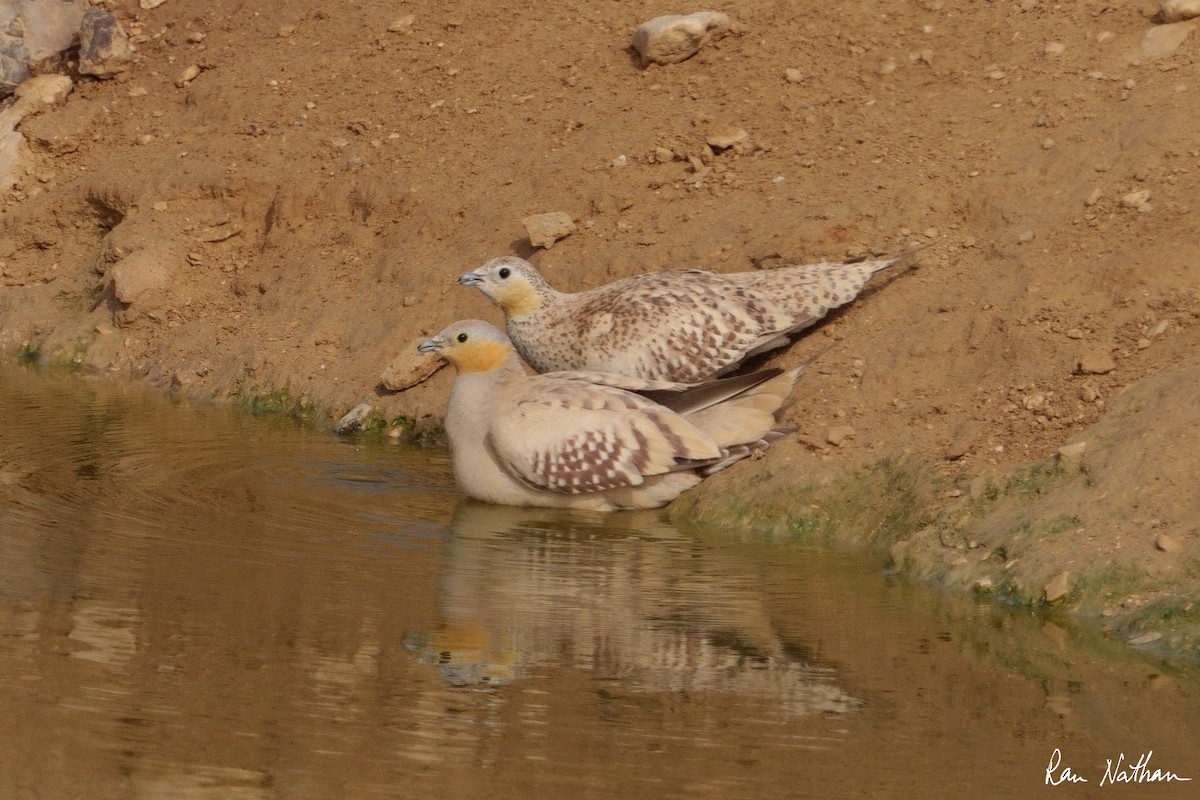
(1115,772)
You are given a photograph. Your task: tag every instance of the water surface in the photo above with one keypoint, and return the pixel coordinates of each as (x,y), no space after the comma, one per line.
(195,603)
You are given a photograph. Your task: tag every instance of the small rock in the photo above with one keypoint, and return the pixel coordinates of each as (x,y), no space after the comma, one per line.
(663,156)
(1166,543)
(1074,333)
(187,76)
(960,446)
(1145,638)
(402,24)
(674,38)
(793,75)
(104,49)
(1159,329)
(409,368)
(1179,10)
(49,90)
(1135,199)
(1058,587)
(1026,236)
(1143,343)
(1094,197)
(140,275)
(838,435)
(1069,455)
(1055,48)
(149,4)
(546,229)
(286,31)
(1095,362)
(888,67)
(729,137)
(353,420)
(196,37)
(1089,393)
(1047,143)
(138,91)
(1104,37)
(1162,40)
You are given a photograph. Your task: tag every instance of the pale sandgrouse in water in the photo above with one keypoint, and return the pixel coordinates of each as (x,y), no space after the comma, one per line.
(684,325)
(588,440)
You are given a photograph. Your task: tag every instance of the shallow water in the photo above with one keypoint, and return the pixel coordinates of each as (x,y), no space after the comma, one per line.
(195,603)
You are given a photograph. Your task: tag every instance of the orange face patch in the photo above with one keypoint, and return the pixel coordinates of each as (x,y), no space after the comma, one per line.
(478,355)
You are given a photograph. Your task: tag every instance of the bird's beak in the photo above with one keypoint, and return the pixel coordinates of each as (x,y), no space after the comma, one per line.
(470,279)
(430,346)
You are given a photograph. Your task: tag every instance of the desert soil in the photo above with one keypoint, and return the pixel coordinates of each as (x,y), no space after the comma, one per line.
(293,220)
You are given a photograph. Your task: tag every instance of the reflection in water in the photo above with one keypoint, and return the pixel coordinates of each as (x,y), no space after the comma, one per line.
(627,598)
(195,604)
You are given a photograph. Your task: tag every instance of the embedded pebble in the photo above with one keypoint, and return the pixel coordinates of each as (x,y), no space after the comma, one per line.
(838,435)
(409,368)
(1104,37)
(1074,333)
(1159,329)
(187,76)
(1026,236)
(1135,199)
(402,24)
(1069,455)
(1094,197)
(1089,393)
(1179,10)
(1166,543)
(729,137)
(1055,48)
(1058,587)
(793,75)
(1095,362)
(546,229)
(673,38)
(149,4)
(50,90)
(1146,638)
(353,420)
(1162,40)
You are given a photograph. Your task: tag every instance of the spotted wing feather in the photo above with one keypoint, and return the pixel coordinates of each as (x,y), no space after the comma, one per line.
(574,438)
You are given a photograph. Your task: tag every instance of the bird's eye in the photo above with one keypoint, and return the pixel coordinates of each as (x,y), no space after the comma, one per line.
(505,272)
(462,337)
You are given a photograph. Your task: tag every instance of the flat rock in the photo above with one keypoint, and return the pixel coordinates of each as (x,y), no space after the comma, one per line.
(838,435)
(46,90)
(676,37)
(1057,587)
(1095,362)
(353,420)
(546,229)
(104,49)
(140,275)
(409,368)
(48,28)
(729,137)
(1179,10)
(1166,543)
(1163,40)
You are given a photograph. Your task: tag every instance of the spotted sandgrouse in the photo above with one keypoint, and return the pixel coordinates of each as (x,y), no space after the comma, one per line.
(683,325)
(593,441)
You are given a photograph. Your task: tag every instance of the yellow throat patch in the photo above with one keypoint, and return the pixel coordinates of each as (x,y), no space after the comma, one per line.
(479,355)
(518,299)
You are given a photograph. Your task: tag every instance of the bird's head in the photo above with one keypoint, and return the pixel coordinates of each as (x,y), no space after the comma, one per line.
(470,345)
(511,283)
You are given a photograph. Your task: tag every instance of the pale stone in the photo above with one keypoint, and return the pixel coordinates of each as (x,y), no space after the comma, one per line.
(140,275)
(188,75)
(546,229)
(1135,199)
(48,90)
(1162,40)
(838,435)
(1179,10)
(410,368)
(1095,362)
(729,137)
(1058,587)
(1166,543)
(104,49)
(674,38)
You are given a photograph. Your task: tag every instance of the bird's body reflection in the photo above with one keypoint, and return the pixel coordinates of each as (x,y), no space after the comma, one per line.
(628,598)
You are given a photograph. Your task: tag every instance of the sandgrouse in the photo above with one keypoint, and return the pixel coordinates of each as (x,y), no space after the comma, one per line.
(592,440)
(681,325)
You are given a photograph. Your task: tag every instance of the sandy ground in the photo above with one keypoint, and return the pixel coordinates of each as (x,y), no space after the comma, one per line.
(293,218)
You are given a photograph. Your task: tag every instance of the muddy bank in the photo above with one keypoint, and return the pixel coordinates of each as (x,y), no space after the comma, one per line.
(280,224)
